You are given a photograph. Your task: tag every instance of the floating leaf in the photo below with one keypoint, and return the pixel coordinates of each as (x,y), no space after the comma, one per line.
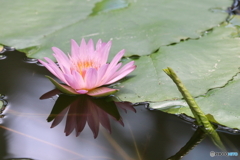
(141,28)
(211,73)
(202,64)
(109,5)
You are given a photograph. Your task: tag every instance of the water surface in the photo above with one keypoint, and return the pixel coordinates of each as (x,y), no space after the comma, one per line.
(146,135)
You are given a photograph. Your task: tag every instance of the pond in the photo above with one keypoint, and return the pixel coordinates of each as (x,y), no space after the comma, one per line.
(146,134)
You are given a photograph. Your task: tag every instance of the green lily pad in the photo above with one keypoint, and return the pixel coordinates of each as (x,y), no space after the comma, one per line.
(109,5)
(202,64)
(27,24)
(223,103)
(207,67)
(140,28)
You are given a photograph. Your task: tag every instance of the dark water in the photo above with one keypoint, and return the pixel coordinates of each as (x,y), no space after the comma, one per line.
(146,135)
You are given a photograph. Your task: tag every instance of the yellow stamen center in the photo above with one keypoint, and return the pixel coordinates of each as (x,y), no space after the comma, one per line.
(83,66)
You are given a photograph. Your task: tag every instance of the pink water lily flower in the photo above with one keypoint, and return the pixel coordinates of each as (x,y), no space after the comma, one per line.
(86,70)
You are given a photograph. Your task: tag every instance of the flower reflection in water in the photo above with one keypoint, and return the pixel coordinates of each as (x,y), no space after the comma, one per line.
(83,109)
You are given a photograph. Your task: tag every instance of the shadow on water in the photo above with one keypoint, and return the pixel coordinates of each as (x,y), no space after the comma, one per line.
(146,135)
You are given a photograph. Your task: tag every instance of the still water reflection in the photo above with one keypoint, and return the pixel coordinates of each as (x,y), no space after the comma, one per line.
(146,135)
(83,109)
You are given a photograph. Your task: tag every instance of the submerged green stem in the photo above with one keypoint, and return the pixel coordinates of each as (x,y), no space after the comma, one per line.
(197,137)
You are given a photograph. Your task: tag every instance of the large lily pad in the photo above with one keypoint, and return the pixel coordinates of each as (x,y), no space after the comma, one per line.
(223,103)
(208,67)
(26,24)
(141,28)
(202,64)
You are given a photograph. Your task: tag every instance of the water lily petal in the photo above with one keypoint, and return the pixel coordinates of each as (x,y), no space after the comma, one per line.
(127,66)
(81,91)
(101,92)
(74,49)
(56,71)
(114,61)
(102,54)
(117,58)
(65,69)
(48,67)
(63,60)
(125,70)
(121,76)
(99,44)
(86,68)
(80,83)
(90,47)
(101,71)
(91,78)
(62,88)
(83,50)
(60,56)
(112,72)
(71,81)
